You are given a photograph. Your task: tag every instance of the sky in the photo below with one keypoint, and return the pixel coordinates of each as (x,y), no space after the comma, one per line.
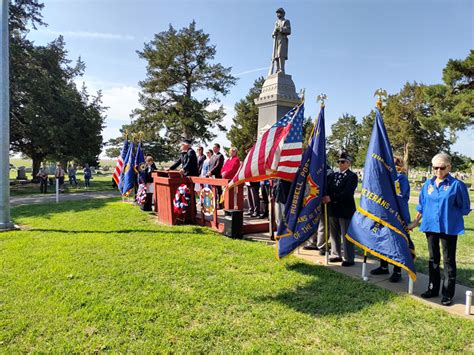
(344,48)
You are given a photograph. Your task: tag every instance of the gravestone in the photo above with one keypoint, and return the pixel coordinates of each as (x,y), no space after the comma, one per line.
(21,173)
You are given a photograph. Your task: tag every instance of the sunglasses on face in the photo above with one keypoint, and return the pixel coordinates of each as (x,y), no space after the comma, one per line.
(439,168)
(342,161)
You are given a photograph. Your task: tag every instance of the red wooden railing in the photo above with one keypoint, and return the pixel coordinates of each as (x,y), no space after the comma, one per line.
(167,182)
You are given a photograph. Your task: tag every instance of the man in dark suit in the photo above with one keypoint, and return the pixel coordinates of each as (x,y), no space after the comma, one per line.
(187,159)
(341,207)
(216,162)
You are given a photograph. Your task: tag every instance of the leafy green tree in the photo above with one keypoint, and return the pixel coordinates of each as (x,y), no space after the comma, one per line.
(461,162)
(179,66)
(452,104)
(344,137)
(50,118)
(243,132)
(364,133)
(413,130)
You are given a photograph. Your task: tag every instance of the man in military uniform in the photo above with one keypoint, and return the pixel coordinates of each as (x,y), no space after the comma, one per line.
(280,45)
(341,207)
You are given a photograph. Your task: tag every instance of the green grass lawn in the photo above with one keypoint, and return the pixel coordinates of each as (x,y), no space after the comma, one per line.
(99,275)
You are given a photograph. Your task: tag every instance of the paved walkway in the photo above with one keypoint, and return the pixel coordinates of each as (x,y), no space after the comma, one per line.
(420,286)
(51,198)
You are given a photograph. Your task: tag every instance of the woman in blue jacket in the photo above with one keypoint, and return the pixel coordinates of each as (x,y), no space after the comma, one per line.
(443,202)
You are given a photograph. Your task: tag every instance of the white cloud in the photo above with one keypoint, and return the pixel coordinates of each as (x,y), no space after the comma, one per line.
(252,71)
(121,100)
(90,35)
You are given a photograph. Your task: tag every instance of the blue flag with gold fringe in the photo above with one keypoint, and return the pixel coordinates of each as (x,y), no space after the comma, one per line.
(303,208)
(379,225)
(127,181)
(140,165)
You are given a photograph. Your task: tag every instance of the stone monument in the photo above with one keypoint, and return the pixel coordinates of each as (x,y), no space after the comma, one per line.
(278,94)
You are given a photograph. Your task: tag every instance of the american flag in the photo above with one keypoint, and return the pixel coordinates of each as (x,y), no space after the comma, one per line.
(119,166)
(277,153)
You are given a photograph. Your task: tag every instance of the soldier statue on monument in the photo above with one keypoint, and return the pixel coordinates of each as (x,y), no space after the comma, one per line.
(280,42)
(278,95)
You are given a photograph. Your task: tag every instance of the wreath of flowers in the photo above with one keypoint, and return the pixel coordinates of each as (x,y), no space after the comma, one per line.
(181,200)
(141,194)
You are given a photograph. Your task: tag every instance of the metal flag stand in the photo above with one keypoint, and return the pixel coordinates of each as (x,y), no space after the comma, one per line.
(364,268)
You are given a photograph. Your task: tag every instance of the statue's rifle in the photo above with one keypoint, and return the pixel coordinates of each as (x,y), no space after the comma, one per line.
(273,56)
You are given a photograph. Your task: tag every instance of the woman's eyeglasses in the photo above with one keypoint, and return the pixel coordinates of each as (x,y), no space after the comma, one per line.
(439,168)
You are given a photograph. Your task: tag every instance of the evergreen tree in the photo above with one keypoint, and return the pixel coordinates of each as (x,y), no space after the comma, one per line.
(179,64)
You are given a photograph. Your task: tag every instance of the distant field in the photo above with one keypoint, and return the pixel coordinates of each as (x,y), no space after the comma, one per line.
(27,163)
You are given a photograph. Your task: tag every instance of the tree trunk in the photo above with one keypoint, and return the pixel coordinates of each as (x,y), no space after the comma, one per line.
(37,160)
(406,155)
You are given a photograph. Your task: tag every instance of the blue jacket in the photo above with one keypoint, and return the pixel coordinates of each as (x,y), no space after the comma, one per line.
(444,206)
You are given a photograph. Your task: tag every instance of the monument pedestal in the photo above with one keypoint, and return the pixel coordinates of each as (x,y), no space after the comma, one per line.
(278,96)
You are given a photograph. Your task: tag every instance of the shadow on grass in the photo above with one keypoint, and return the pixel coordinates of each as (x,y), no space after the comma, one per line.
(329,292)
(34,188)
(45,210)
(120,231)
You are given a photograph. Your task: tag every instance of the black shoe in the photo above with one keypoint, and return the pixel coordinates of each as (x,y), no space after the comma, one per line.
(255,214)
(248,213)
(429,294)
(347,263)
(310,247)
(322,252)
(379,271)
(395,277)
(446,301)
(335,259)
(263,216)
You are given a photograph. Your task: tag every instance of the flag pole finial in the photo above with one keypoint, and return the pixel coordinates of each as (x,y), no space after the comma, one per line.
(301,95)
(380,93)
(321,97)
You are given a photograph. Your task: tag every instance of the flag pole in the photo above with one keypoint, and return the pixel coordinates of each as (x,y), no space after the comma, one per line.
(5,222)
(322,98)
(326,246)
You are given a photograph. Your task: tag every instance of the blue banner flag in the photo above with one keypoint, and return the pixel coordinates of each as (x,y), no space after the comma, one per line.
(303,208)
(127,181)
(140,165)
(379,225)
